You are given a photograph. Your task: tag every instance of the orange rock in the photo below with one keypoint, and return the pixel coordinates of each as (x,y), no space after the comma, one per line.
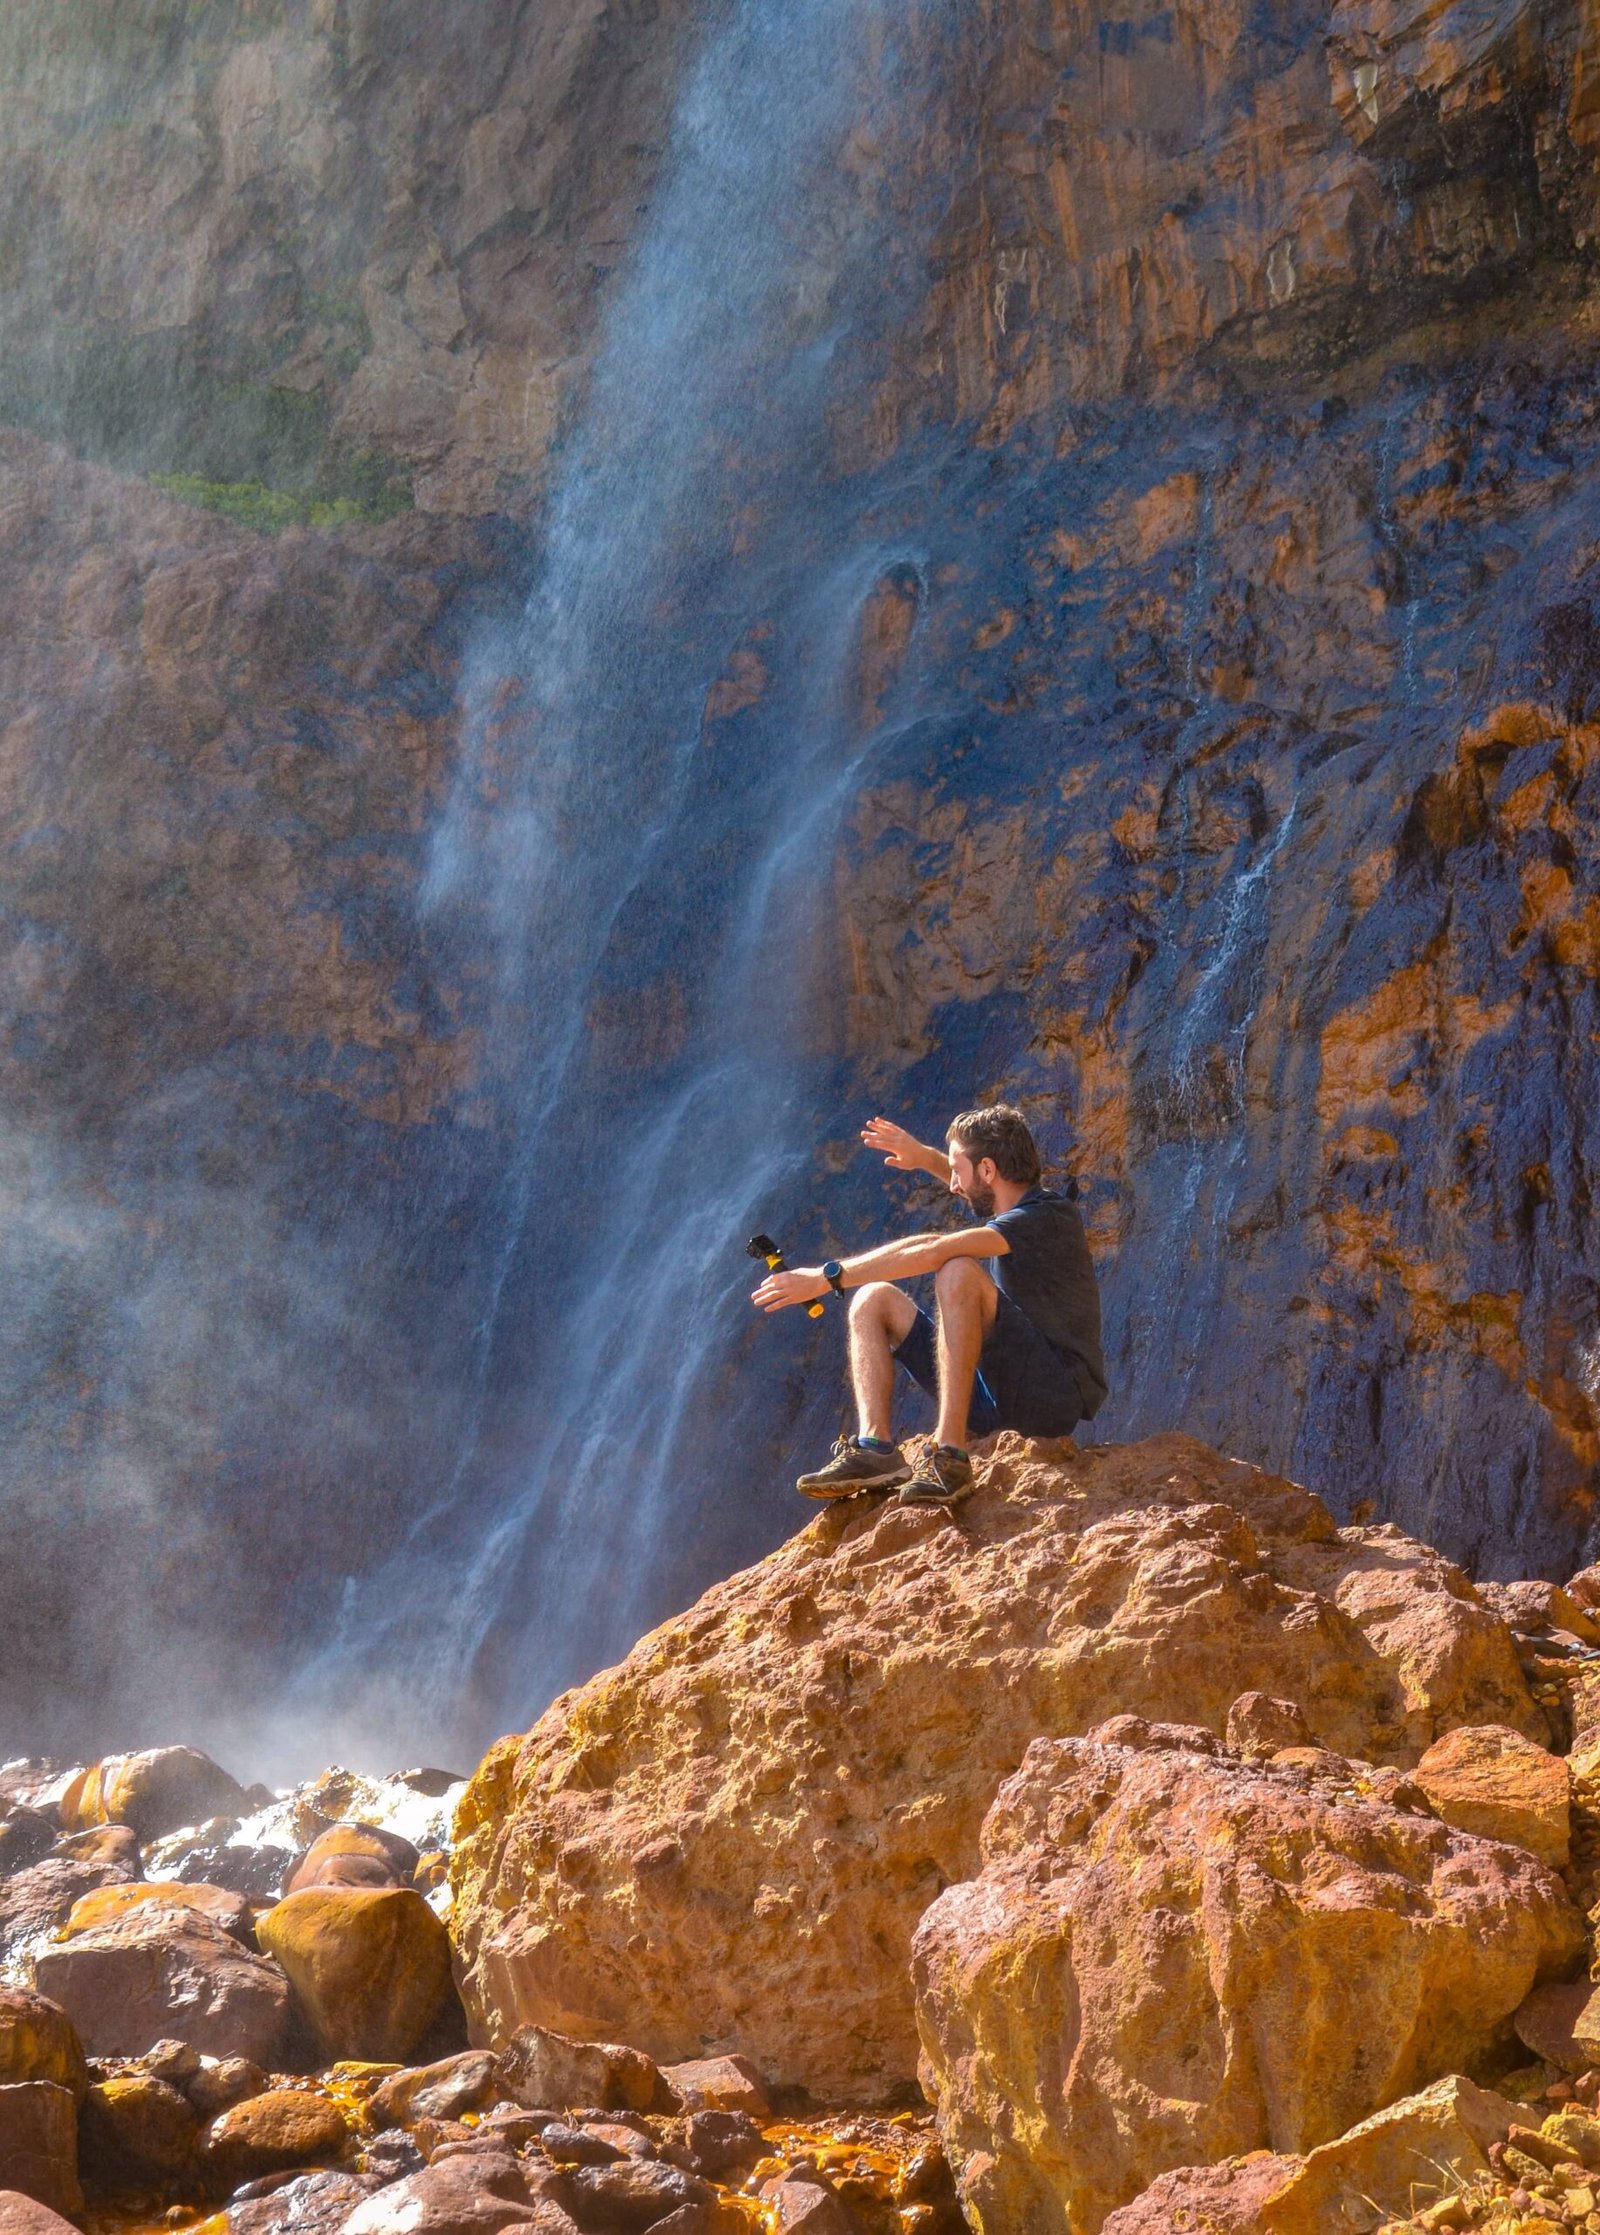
(1217,1959)
(137,2128)
(272,2131)
(25,2215)
(106,1903)
(731,1837)
(155,1792)
(369,1967)
(548,2071)
(1497,1784)
(38,2042)
(436,2091)
(719,2084)
(354,1855)
(39,2144)
(156,1974)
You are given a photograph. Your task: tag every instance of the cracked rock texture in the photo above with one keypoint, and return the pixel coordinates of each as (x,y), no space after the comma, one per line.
(727,1841)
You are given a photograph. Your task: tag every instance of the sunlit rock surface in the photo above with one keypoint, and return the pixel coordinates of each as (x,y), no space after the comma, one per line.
(1222,481)
(727,1842)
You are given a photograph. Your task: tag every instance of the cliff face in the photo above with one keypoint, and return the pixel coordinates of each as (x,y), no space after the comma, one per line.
(1221,464)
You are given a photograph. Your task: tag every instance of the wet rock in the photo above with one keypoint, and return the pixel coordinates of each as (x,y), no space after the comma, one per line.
(271,2132)
(802,2203)
(543,2069)
(370,1967)
(574,2146)
(713,2142)
(466,2195)
(1498,1785)
(776,1914)
(104,1843)
(392,2156)
(1220,1958)
(26,1837)
(633,2194)
(229,1911)
(36,1902)
(354,1855)
(137,2129)
(153,1792)
(159,1973)
(307,2204)
(25,2215)
(436,2091)
(39,2042)
(222,2082)
(729,2083)
(1259,1726)
(39,2144)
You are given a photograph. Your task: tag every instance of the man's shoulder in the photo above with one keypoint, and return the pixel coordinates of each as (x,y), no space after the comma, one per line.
(1039,1206)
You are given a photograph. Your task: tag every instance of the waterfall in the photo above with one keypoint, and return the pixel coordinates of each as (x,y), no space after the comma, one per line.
(644,864)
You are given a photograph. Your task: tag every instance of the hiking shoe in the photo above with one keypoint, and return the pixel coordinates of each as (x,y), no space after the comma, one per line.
(944,1478)
(855,1466)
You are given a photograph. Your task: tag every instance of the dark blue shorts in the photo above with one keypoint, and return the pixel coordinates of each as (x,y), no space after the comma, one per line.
(1023,1381)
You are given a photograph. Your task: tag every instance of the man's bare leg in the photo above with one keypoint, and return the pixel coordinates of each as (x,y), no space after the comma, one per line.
(967,1300)
(881,1317)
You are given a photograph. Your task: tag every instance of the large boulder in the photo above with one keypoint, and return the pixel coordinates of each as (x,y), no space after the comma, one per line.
(163,1974)
(1171,1956)
(25,2215)
(726,1843)
(354,1855)
(137,2129)
(270,2132)
(39,2144)
(107,1903)
(1400,2159)
(369,1966)
(1499,1785)
(152,1792)
(36,1902)
(478,2194)
(39,2042)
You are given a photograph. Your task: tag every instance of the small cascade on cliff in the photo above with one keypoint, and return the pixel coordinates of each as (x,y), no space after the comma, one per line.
(639,845)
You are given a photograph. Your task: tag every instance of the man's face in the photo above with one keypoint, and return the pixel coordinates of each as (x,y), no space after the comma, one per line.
(973,1183)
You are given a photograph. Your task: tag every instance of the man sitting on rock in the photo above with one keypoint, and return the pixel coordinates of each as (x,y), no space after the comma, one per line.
(1017,1341)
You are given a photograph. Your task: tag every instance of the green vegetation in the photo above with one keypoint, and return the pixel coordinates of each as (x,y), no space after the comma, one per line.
(269,510)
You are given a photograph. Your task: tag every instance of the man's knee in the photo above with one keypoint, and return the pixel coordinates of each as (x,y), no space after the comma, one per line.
(881,1304)
(963,1281)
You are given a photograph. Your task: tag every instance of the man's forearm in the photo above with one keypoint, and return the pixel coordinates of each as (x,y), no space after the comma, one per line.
(918,1253)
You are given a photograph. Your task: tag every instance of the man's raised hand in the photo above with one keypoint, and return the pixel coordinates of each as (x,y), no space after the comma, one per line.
(800,1284)
(900,1151)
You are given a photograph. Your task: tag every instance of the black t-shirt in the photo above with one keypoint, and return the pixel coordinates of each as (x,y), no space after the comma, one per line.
(1049,1274)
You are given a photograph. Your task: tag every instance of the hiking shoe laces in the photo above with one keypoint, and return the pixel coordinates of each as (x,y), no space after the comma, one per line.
(943,1479)
(855,1467)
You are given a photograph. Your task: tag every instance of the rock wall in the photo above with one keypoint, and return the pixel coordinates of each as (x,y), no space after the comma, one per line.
(1231,697)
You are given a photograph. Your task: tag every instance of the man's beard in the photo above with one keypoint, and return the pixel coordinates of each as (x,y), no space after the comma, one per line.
(979,1201)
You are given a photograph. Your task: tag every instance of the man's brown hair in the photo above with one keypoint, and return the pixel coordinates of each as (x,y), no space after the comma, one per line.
(1000,1132)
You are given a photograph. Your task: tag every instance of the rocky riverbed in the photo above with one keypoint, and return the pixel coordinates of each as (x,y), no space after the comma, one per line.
(1133,1850)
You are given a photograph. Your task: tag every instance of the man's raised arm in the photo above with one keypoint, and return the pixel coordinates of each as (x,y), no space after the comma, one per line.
(901,1153)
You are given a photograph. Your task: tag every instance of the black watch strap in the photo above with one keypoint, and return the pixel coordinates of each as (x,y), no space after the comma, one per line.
(833,1274)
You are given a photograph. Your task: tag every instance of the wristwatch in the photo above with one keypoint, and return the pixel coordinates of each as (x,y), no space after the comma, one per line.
(833,1274)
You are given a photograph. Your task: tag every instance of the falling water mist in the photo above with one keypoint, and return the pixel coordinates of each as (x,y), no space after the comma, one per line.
(653,767)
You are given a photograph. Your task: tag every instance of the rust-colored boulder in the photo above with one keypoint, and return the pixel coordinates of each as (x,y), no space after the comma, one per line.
(435,2091)
(106,1903)
(369,1967)
(268,2133)
(635,2193)
(25,2215)
(1389,2166)
(1499,1785)
(476,2193)
(729,2083)
(1545,2023)
(39,2042)
(39,2144)
(158,1973)
(550,2071)
(137,2128)
(103,1843)
(1259,1726)
(154,1792)
(36,1902)
(730,1838)
(354,1855)
(1218,1958)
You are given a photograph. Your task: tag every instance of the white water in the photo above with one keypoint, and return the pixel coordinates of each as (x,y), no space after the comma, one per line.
(589,845)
